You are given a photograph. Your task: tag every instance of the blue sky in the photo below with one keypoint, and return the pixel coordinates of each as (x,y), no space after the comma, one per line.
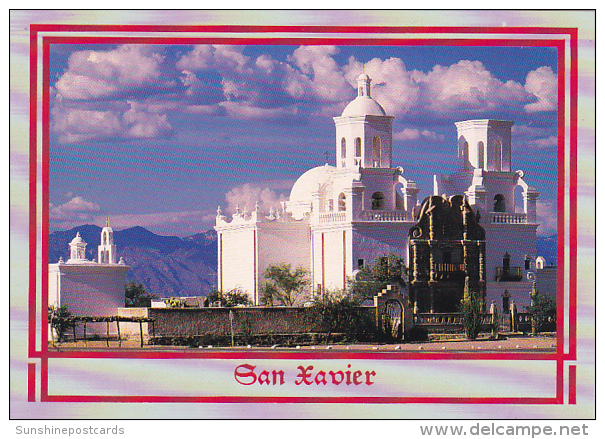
(159,136)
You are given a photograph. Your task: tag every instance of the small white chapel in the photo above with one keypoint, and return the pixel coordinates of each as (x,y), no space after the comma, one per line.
(89,288)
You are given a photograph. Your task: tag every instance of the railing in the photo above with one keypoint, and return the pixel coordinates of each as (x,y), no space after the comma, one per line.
(332,217)
(445,319)
(507,218)
(384,215)
(73,322)
(449,268)
(447,323)
(511,274)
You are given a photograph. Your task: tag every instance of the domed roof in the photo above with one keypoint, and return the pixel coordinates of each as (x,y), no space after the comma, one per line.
(301,195)
(363,77)
(77,240)
(363,106)
(310,182)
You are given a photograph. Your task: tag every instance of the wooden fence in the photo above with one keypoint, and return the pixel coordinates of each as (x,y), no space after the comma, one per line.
(73,322)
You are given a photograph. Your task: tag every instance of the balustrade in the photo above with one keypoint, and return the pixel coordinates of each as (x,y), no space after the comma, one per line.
(384,215)
(507,218)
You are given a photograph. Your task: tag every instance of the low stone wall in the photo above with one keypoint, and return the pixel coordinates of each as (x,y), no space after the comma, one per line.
(181,322)
(133,329)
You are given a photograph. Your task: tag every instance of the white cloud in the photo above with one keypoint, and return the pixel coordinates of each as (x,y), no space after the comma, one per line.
(76,211)
(414,134)
(89,97)
(466,85)
(323,78)
(133,120)
(95,74)
(247,195)
(542,143)
(542,83)
(526,136)
(78,124)
(140,123)
(249,112)
(546,212)
(392,85)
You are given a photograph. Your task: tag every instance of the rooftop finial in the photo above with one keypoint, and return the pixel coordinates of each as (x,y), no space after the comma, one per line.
(106,221)
(363,83)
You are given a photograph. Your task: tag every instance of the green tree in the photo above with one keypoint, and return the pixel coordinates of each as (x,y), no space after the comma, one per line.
(58,317)
(471,308)
(284,286)
(388,269)
(234,297)
(338,312)
(137,296)
(543,310)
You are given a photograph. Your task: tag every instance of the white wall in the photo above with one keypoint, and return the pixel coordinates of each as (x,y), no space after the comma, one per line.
(236,251)
(95,290)
(518,240)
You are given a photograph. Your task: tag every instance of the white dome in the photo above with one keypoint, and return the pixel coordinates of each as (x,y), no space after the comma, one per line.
(301,195)
(77,240)
(363,106)
(363,77)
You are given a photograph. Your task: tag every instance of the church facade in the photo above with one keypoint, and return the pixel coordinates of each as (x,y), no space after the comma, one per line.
(340,218)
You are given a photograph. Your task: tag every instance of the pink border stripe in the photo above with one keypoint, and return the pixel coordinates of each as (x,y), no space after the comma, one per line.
(301,29)
(572,384)
(33,154)
(573,196)
(45,354)
(299,399)
(303,40)
(561,201)
(31,382)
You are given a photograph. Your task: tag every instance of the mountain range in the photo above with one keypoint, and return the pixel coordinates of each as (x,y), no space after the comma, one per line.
(169,266)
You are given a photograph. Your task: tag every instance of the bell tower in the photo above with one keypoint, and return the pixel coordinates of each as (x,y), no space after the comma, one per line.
(107,249)
(77,248)
(364,131)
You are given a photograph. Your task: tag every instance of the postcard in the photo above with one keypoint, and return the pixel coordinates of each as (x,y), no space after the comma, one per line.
(302,214)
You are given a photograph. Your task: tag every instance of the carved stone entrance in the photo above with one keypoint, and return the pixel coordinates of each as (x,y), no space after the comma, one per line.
(393,314)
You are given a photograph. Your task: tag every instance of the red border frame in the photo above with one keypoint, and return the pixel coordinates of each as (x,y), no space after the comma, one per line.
(560,356)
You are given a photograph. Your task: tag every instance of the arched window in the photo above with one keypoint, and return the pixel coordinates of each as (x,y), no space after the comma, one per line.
(505,302)
(343,151)
(357,151)
(376,151)
(527,262)
(498,155)
(506,263)
(377,201)
(480,154)
(499,203)
(342,202)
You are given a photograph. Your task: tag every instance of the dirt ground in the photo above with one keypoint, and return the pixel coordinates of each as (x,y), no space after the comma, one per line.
(512,342)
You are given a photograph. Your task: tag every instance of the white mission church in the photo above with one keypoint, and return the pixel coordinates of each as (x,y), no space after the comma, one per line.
(339,219)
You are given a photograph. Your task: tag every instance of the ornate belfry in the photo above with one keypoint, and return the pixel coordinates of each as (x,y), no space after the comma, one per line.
(446,246)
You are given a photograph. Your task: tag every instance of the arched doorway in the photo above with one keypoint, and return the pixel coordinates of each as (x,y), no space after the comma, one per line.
(499,203)
(392,319)
(377,201)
